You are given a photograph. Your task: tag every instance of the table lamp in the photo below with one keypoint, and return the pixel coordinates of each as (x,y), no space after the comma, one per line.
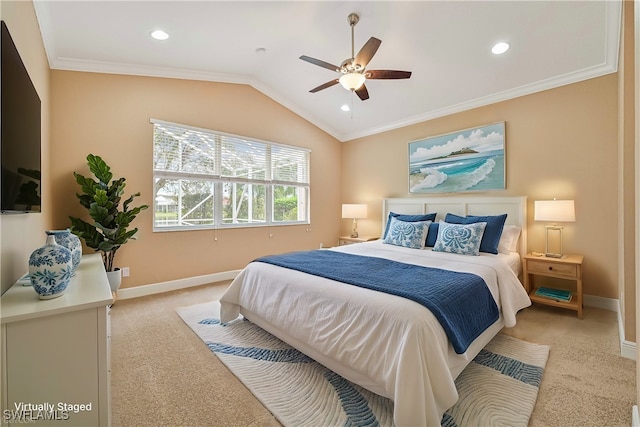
(354,211)
(554,211)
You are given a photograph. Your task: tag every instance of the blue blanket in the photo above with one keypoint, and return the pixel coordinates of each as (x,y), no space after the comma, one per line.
(461,302)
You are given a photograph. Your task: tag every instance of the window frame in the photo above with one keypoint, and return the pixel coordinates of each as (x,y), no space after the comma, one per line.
(219,180)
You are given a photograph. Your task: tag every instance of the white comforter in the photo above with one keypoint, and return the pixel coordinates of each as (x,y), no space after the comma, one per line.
(388,344)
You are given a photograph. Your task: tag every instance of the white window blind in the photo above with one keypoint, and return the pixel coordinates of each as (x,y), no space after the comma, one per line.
(209,179)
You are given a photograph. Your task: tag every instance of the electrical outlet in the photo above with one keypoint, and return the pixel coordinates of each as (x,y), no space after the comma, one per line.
(125,271)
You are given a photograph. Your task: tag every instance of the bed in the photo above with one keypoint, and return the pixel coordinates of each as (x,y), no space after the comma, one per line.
(387,343)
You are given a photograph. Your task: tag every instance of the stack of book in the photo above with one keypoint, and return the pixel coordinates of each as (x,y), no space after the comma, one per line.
(555,294)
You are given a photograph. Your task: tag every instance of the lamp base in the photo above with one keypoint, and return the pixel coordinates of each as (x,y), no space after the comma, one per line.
(354,228)
(554,255)
(548,253)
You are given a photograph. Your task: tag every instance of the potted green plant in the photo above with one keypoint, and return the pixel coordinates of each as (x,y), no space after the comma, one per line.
(109,229)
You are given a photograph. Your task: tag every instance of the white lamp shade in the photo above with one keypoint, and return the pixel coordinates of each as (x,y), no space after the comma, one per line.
(354,211)
(554,210)
(352,81)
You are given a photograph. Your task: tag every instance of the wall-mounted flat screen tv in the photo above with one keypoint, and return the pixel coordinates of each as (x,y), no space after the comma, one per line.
(19,133)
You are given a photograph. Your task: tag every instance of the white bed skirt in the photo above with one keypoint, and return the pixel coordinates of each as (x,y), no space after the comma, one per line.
(456,362)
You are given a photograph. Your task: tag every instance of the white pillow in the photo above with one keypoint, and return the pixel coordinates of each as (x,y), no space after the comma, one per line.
(509,239)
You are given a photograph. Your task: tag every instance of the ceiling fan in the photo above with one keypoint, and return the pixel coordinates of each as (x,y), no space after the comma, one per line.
(353,69)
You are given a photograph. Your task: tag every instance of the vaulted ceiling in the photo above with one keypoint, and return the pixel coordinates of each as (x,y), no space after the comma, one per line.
(445,44)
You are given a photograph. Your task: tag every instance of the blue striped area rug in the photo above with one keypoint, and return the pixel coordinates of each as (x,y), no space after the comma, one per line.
(498,388)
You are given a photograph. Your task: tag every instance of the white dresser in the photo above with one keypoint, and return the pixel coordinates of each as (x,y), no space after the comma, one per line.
(56,353)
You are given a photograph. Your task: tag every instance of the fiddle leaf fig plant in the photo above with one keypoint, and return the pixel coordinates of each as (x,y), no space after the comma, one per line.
(109,228)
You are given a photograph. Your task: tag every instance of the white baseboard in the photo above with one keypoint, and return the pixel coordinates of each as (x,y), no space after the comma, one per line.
(610,304)
(635,417)
(628,349)
(172,285)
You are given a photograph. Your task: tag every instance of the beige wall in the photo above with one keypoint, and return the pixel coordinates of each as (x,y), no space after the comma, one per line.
(626,174)
(21,234)
(108,115)
(560,143)
(636,60)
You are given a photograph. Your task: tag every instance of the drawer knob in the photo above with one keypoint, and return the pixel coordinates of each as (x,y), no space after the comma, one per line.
(550,268)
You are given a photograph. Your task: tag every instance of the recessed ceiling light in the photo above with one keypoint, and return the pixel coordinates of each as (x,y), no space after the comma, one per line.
(261,51)
(345,107)
(500,48)
(159,35)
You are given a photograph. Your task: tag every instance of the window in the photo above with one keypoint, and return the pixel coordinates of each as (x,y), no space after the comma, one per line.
(209,179)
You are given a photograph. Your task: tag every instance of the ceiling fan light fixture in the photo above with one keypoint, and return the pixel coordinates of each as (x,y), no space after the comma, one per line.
(352,70)
(352,81)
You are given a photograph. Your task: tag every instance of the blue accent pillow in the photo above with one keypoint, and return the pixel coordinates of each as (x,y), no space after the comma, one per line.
(492,233)
(407,234)
(461,239)
(407,218)
(432,236)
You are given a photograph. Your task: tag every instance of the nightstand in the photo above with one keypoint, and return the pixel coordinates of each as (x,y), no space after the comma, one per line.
(568,268)
(347,240)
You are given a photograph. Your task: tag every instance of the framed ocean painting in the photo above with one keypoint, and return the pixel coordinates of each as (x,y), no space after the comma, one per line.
(467,160)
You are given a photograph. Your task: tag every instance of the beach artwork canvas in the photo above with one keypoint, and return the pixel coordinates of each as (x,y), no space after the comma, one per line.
(466,160)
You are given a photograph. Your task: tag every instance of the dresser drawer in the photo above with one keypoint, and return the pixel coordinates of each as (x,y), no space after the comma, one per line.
(553,268)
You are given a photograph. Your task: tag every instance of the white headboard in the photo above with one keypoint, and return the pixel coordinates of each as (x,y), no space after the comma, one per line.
(514,207)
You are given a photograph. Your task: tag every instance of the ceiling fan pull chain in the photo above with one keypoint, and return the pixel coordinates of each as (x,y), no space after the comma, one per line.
(351,109)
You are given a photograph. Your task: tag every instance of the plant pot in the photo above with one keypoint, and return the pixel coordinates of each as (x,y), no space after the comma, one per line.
(115,279)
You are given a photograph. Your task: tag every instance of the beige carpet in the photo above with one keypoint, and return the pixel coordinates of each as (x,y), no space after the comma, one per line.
(158,375)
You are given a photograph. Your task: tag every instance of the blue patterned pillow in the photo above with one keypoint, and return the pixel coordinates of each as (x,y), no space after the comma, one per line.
(461,239)
(408,234)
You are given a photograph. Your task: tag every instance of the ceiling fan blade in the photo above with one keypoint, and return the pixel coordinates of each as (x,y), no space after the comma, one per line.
(368,50)
(387,74)
(362,93)
(320,63)
(324,86)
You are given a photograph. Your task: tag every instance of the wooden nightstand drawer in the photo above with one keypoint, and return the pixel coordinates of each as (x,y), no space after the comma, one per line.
(555,269)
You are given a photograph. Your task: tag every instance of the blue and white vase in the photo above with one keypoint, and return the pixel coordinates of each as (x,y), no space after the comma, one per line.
(70,241)
(50,268)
